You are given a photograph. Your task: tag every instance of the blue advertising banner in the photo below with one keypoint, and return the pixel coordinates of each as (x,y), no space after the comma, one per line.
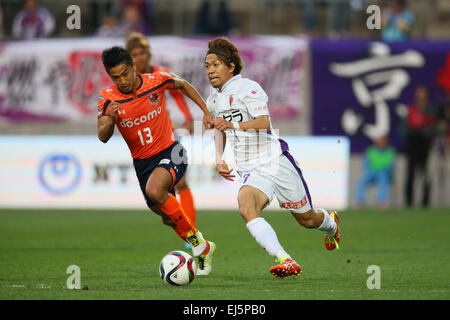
(361,88)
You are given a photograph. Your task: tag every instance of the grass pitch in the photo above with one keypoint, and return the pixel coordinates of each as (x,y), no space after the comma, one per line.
(118,253)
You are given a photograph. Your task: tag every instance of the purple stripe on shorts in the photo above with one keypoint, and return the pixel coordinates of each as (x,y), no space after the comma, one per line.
(292,161)
(284,145)
(236,135)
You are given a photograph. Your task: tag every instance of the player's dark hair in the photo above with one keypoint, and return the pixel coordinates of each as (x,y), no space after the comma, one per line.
(114,56)
(227,52)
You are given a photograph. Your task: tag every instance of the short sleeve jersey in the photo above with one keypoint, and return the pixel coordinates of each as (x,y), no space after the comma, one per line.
(142,119)
(243,100)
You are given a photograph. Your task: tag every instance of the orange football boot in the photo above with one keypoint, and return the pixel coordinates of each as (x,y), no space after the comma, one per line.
(287,267)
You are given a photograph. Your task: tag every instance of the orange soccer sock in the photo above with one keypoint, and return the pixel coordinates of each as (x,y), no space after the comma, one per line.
(187,202)
(174,211)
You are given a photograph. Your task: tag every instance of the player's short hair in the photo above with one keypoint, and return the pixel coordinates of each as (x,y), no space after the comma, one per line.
(114,56)
(227,52)
(137,40)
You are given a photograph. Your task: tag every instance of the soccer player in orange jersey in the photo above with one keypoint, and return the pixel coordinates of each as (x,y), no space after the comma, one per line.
(135,104)
(138,47)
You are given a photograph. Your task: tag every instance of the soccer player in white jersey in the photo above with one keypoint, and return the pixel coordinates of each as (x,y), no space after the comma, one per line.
(264,164)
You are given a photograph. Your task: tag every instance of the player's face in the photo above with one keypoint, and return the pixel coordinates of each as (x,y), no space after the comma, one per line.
(124,77)
(141,59)
(217,71)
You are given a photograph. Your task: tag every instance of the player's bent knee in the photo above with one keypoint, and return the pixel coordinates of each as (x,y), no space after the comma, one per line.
(156,194)
(248,212)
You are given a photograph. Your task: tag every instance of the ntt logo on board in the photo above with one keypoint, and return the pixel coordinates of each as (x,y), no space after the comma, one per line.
(141,120)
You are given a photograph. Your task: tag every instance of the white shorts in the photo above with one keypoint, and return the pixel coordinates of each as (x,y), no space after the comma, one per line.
(283,179)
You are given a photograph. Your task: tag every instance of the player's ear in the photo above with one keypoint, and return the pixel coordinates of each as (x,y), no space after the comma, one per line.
(232,67)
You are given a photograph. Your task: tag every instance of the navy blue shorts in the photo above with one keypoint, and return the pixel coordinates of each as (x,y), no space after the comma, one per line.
(173,159)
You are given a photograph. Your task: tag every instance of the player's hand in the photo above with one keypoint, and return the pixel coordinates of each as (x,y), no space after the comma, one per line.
(188,125)
(224,171)
(208,121)
(221,124)
(113,109)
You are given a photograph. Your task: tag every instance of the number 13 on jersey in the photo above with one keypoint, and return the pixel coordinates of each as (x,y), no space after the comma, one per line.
(147,136)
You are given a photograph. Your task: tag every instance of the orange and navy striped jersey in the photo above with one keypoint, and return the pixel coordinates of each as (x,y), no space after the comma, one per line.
(142,119)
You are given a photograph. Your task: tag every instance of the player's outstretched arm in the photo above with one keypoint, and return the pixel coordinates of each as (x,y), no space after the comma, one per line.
(106,123)
(182,105)
(189,90)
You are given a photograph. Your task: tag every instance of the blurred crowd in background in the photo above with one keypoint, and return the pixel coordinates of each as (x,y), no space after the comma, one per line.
(27,19)
(425,127)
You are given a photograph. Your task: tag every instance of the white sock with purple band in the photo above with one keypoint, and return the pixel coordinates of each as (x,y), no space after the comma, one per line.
(266,237)
(328,225)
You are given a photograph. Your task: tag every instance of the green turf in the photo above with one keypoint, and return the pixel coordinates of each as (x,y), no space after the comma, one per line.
(119,253)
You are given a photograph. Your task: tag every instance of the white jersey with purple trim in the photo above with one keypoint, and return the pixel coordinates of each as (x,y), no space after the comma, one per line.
(242,100)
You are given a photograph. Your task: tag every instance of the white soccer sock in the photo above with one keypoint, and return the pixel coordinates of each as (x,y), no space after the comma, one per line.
(328,225)
(266,237)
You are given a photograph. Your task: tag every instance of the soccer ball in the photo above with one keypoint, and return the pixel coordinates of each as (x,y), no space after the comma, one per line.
(177,268)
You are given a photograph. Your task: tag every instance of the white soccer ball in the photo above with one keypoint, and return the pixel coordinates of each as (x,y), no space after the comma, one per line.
(177,268)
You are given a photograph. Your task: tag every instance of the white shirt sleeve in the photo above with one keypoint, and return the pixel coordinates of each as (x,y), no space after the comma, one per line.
(255,100)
